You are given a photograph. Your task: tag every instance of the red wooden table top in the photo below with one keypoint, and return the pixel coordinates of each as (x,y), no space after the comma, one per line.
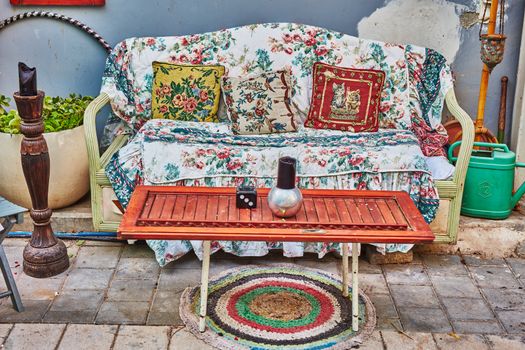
(206,213)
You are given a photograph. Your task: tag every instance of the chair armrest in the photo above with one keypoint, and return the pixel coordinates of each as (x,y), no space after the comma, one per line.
(467,139)
(90,129)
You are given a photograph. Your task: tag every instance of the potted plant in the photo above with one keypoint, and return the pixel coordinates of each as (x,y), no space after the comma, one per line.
(64,134)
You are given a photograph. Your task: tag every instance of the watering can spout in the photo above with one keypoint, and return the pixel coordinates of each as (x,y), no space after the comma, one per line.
(520,192)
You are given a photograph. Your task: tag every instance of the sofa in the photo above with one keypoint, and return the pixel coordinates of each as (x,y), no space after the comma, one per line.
(401,155)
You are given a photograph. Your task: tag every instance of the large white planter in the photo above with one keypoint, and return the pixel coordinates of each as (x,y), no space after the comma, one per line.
(69,179)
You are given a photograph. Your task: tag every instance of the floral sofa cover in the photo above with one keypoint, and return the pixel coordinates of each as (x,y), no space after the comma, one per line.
(168,152)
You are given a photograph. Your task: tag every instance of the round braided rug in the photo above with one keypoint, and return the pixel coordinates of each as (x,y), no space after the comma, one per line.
(281,307)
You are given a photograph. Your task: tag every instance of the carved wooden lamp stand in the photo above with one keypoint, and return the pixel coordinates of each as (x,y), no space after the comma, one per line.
(44,255)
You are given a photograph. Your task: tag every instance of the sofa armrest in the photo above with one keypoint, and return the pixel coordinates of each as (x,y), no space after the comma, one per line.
(90,129)
(467,140)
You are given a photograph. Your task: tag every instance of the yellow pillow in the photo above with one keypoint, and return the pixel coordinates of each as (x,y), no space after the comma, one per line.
(186,92)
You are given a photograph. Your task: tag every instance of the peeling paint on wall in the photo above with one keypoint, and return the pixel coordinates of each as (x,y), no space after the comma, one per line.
(429,23)
(468,19)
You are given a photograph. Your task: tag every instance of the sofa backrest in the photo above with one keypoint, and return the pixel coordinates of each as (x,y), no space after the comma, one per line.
(416,78)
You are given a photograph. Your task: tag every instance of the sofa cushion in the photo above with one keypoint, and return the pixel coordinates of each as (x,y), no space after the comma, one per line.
(345,99)
(417,79)
(259,104)
(186,92)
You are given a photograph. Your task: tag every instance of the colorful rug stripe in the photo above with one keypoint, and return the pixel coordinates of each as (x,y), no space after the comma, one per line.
(286,307)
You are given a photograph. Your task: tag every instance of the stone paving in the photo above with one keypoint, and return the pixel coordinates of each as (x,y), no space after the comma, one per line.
(115,296)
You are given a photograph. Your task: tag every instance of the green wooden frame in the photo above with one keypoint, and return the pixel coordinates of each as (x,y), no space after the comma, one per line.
(451,190)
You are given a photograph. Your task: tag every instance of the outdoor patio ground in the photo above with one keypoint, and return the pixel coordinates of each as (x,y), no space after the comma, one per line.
(115,296)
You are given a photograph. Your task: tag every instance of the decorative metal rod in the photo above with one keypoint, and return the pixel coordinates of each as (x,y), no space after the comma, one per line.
(57,16)
(44,255)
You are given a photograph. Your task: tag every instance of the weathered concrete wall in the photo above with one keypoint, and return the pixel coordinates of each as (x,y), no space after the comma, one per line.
(69,61)
(486,238)
(416,22)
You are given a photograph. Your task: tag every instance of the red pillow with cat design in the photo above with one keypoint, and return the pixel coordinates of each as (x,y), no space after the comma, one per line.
(345,98)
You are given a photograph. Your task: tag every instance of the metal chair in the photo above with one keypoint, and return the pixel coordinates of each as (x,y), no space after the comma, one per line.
(10,214)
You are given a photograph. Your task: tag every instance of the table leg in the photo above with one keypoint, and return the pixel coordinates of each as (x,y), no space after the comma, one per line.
(345,269)
(206,245)
(355,287)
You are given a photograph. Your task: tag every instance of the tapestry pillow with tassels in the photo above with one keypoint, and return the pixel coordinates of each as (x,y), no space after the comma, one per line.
(345,99)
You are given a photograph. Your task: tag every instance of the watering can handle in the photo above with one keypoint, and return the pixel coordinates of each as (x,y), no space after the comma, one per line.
(478,144)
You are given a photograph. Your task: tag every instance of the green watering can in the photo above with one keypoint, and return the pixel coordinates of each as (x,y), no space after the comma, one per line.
(490,181)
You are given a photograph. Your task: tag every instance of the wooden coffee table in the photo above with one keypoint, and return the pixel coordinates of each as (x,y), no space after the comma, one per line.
(333,216)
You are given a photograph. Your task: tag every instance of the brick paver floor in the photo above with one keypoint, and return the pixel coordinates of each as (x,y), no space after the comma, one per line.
(115,296)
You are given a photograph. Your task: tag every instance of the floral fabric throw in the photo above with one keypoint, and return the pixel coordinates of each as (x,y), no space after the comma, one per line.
(208,154)
(168,152)
(345,98)
(186,92)
(417,79)
(260,104)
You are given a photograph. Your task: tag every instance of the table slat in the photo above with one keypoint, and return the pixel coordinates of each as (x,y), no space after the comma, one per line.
(158,204)
(213,206)
(191,208)
(331,208)
(167,209)
(180,205)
